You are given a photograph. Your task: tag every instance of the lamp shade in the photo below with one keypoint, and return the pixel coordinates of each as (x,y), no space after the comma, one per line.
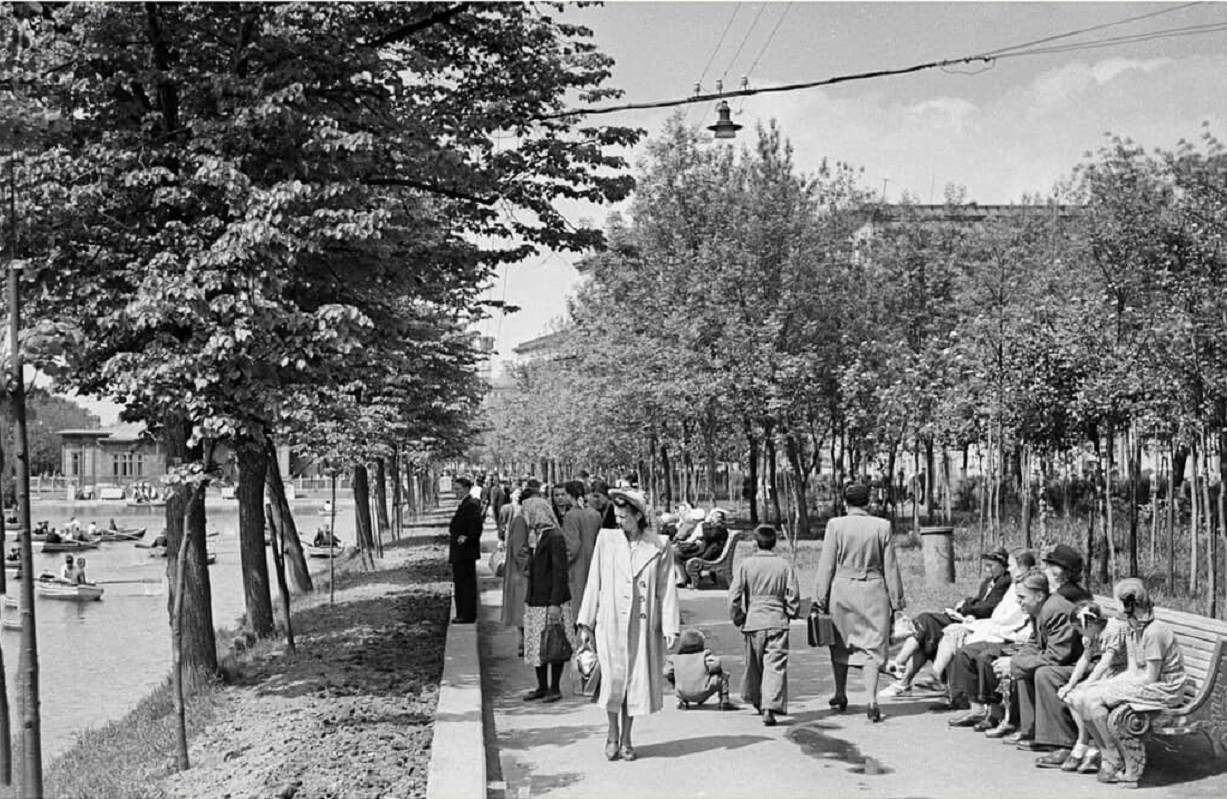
(725,127)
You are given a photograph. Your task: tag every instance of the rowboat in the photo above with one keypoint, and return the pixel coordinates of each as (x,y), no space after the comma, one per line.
(68,546)
(69,592)
(313,551)
(131,534)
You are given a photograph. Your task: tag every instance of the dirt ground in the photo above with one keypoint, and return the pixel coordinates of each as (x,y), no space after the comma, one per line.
(350,714)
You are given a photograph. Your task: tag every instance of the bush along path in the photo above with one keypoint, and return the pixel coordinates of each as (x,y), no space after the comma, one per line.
(351,714)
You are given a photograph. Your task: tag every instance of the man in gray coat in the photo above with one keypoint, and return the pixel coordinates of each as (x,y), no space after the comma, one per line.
(762,599)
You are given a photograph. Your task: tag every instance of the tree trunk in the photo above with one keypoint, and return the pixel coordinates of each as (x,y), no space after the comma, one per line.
(930,476)
(381,504)
(799,485)
(709,452)
(947,499)
(752,473)
(398,519)
(1134,479)
(771,474)
(176,639)
(1024,491)
(277,542)
(1110,524)
(667,474)
(1089,566)
(1194,522)
(1171,524)
(283,518)
(257,596)
(185,510)
(1208,514)
(362,509)
(1222,481)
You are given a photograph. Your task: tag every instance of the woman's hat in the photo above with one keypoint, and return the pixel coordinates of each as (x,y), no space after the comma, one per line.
(1066,557)
(998,555)
(632,497)
(714,514)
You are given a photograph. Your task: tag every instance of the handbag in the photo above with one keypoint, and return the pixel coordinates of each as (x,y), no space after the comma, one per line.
(587,670)
(555,648)
(820,629)
(498,559)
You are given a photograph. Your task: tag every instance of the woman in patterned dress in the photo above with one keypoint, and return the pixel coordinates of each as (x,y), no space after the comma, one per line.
(548,596)
(1104,656)
(1153,680)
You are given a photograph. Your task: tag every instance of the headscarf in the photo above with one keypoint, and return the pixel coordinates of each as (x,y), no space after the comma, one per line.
(538,514)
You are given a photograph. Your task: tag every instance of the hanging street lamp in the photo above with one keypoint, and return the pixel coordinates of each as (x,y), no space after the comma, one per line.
(725,127)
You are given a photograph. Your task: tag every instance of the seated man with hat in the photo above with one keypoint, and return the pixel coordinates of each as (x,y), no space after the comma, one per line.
(921,646)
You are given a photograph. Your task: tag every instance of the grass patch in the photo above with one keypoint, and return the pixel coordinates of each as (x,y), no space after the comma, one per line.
(124,759)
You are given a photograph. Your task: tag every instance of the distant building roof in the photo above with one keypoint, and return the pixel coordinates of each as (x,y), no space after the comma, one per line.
(550,342)
(122,432)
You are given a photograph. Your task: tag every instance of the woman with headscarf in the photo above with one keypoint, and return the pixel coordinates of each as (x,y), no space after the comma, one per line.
(548,600)
(859,581)
(630,610)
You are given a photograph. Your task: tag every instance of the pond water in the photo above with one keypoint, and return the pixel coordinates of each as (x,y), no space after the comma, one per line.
(98,659)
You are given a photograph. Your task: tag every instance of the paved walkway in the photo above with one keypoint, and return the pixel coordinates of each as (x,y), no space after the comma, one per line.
(556,750)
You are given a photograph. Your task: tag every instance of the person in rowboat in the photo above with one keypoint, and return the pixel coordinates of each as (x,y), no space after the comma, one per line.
(113,527)
(79,578)
(68,572)
(92,532)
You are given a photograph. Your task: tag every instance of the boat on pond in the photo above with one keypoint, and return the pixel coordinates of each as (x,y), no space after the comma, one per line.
(67,546)
(130,534)
(68,592)
(312,551)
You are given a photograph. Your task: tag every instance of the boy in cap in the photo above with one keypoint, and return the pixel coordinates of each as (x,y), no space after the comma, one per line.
(695,673)
(763,598)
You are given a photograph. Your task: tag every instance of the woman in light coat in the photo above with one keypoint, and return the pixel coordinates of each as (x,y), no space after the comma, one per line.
(859,580)
(630,610)
(515,567)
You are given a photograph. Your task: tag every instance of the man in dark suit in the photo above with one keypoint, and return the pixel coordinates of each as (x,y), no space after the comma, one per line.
(464,550)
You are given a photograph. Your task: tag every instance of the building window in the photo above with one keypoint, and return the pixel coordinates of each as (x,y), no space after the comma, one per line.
(74,464)
(124,464)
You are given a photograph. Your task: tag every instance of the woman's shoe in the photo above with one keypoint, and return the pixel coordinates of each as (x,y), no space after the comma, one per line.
(839,701)
(611,750)
(769,719)
(1003,729)
(895,690)
(1072,762)
(1089,763)
(1109,773)
(627,752)
(987,723)
(970,719)
(539,693)
(552,696)
(873,713)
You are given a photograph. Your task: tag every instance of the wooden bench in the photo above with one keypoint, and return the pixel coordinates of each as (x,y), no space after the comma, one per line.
(1203,643)
(719,570)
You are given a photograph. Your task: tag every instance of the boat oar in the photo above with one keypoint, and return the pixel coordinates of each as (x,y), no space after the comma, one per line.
(147,580)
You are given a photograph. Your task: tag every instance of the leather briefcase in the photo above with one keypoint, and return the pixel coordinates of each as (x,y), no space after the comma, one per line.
(820,629)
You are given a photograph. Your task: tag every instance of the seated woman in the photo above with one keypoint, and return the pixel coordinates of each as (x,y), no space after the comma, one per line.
(706,542)
(1103,656)
(1008,623)
(79,577)
(1153,679)
(921,646)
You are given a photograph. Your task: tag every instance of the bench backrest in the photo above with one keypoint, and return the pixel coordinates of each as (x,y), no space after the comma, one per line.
(1199,637)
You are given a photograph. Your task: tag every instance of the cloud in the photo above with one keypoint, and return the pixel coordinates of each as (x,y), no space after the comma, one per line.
(950,112)
(1106,70)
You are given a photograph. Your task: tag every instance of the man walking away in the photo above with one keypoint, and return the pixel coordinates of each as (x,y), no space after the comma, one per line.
(762,599)
(464,550)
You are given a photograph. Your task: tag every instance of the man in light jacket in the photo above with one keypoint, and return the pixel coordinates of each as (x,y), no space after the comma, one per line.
(762,599)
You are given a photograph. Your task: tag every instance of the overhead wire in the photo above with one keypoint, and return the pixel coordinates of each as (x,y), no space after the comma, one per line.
(988,58)
(715,50)
(761,8)
(788,6)
(1093,28)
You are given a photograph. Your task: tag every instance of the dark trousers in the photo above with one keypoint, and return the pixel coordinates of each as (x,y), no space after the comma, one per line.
(929,627)
(1053,723)
(464,589)
(971,674)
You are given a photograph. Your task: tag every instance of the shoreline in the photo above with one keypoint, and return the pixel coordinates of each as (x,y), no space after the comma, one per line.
(360,691)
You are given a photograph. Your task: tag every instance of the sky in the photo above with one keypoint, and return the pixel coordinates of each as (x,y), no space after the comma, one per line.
(1017,127)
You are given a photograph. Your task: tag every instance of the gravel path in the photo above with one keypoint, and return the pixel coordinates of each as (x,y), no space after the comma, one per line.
(350,715)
